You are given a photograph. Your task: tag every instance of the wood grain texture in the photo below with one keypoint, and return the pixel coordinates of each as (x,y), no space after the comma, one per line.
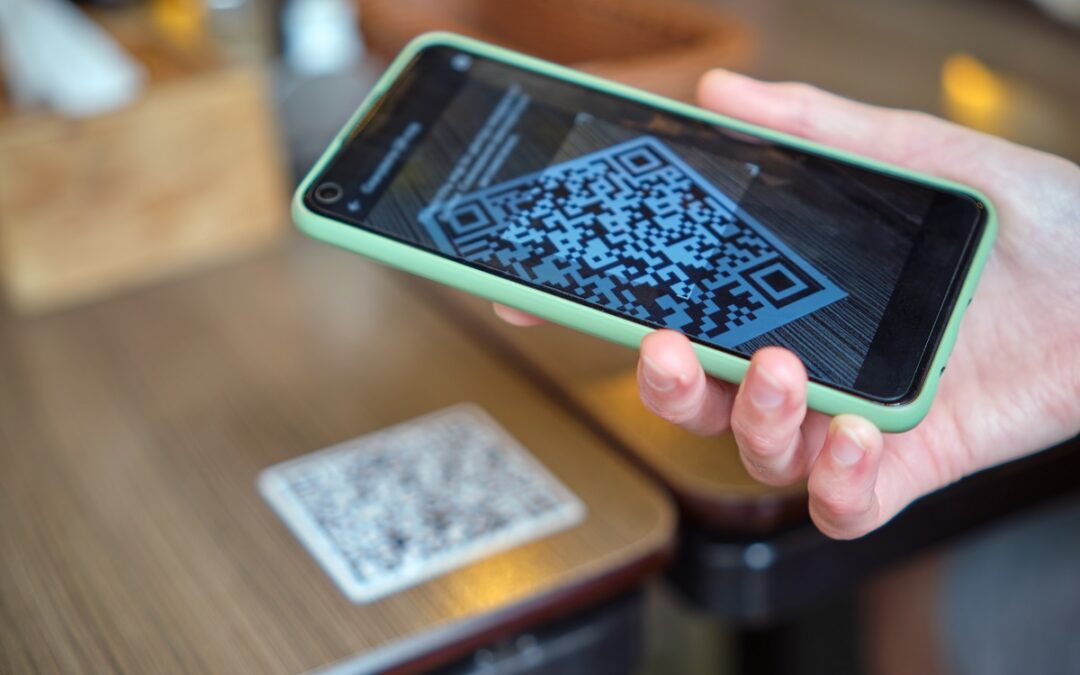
(132,537)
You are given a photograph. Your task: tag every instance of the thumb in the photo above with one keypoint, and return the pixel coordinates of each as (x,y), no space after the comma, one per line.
(916,140)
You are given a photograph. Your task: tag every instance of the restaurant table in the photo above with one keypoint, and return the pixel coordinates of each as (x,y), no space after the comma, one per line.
(747,552)
(132,535)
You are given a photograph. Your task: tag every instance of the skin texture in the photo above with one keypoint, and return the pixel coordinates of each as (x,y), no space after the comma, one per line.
(1012,386)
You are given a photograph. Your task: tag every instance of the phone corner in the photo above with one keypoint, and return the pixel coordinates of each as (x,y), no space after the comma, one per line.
(900,417)
(889,418)
(989,209)
(898,420)
(433,38)
(983,199)
(303,218)
(990,232)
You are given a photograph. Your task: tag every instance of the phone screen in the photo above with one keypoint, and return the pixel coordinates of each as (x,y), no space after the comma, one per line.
(736,241)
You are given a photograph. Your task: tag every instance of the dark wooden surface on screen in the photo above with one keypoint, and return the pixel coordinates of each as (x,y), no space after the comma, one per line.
(132,537)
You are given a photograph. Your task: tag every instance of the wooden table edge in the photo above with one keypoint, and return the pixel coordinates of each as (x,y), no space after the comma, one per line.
(443,644)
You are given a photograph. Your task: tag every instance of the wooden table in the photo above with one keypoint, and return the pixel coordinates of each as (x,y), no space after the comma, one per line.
(132,537)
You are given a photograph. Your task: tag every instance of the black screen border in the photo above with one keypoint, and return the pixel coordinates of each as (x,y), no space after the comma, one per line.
(943,250)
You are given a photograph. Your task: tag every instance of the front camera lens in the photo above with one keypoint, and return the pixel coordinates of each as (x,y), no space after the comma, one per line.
(328,193)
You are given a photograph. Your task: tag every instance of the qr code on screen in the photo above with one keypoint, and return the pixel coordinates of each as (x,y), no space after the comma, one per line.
(635,230)
(385,511)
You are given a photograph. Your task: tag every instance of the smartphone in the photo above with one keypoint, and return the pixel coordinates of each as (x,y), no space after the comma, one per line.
(617,212)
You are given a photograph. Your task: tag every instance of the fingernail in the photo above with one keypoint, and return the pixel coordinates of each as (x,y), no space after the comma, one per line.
(765,392)
(846,449)
(657,377)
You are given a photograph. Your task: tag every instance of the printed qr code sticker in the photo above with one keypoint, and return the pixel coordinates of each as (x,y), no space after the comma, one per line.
(390,509)
(635,229)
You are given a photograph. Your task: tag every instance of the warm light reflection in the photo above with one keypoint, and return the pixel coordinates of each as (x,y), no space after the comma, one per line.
(181,21)
(498,580)
(616,394)
(974,94)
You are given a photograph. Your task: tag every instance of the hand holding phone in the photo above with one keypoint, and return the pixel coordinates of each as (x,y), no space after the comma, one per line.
(617,213)
(1013,385)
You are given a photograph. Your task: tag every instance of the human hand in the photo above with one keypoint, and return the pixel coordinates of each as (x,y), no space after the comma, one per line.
(1013,382)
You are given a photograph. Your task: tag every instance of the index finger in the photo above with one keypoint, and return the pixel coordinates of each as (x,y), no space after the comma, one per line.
(516,317)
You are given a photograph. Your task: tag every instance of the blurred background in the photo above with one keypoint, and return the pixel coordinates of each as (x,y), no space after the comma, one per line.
(150,147)
(142,138)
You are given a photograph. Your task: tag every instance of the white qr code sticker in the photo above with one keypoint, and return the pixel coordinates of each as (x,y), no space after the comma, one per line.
(388,510)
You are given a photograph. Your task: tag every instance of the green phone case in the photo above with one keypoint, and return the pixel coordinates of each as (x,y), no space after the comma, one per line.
(729,367)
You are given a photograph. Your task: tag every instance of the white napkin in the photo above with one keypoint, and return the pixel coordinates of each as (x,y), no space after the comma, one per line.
(55,55)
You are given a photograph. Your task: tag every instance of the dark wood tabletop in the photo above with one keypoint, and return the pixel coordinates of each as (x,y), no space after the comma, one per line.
(132,536)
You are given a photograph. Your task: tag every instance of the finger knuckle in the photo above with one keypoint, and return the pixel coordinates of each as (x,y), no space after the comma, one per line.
(676,416)
(670,411)
(769,474)
(840,528)
(707,426)
(841,532)
(916,119)
(843,504)
(800,90)
(800,108)
(754,440)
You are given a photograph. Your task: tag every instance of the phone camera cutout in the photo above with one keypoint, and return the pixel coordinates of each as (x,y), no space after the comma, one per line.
(461,62)
(328,193)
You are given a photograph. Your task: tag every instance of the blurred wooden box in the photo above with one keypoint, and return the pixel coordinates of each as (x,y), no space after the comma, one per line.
(190,173)
(661,46)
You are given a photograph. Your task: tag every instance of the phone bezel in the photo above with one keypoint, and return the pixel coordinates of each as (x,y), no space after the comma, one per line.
(728,365)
